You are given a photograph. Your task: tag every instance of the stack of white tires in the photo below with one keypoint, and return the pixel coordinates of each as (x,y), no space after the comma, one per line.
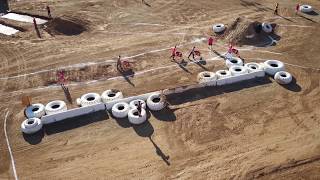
(35,110)
(306,8)
(283,77)
(110,95)
(155,102)
(207,78)
(234,61)
(255,69)
(239,73)
(218,28)
(31,126)
(90,99)
(271,67)
(222,77)
(120,110)
(266,27)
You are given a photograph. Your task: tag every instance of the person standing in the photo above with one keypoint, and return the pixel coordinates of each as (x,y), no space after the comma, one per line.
(173,53)
(276,9)
(210,42)
(297,8)
(119,67)
(192,53)
(49,12)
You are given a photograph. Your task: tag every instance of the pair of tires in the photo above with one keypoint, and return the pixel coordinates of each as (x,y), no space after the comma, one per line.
(89,99)
(218,28)
(35,111)
(283,77)
(271,67)
(266,27)
(123,109)
(31,126)
(234,61)
(306,8)
(55,107)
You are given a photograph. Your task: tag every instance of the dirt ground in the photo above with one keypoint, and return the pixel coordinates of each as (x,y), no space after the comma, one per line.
(254,129)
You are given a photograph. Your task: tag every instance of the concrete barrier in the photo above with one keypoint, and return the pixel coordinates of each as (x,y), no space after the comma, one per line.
(72,113)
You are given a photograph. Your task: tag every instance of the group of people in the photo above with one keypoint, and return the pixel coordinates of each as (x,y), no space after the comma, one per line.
(193,54)
(276,9)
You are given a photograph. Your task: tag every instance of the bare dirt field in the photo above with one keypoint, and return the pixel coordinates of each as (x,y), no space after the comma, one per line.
(254,129)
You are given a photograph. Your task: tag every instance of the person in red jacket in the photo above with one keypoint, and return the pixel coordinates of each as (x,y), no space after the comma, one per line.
(210,42)
(297,8)
(173,52)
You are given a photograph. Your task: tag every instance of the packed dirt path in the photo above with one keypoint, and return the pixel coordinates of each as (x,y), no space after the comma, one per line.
(254,129)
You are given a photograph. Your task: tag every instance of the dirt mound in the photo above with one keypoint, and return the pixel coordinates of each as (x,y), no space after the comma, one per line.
(246,32)
(66,27)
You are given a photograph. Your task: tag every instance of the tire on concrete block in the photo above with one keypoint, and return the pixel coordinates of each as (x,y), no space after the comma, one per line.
(134,104)
(238,70)
(218,28)
(90,99)
(30,126)
(155,103)
(271,67)
(110,95)
(234,61)
(255,69)
(134,118)
(306,8)
(206,76)
(283,77)
(120,110)
(35,110)
(55,107)
(266,27)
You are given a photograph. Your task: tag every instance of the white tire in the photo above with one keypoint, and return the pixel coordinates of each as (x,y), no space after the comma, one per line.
(110,95)
(90,99)
(218,28)
(206,76)
(222,74)
(55,107)
(32,125)
(35,110)
(306,8)
(238,70)
(252,67)
(134,117)
(234,61)
(120,110)
(271,67)
(134,104)
(283,77)
(266,27)
(155,103)
(78,101)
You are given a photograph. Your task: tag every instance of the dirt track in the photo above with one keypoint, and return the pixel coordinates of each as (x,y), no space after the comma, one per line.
(255,129)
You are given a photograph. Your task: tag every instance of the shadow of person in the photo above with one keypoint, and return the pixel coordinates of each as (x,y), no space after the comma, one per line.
(293,86)
(35,138)
(127,75)
(144,130)
(312,13)
(307,18)
(182,66)
(160,153)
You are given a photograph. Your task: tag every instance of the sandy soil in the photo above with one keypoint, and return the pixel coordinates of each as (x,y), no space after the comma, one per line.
(255,129)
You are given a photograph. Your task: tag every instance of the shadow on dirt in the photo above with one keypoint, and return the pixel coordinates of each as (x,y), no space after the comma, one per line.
(205,92)
(160,153)
(61,26)
(75,122)
(256,5)
(166,114)
(35,138)
(293,86)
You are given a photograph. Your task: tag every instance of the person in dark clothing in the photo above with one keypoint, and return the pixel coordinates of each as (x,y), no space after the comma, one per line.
(49,12)
(192,53)
(276,9)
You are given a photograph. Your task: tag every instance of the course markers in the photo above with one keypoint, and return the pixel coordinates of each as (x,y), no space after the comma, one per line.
(9,148)
(23,18)
(7,30)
